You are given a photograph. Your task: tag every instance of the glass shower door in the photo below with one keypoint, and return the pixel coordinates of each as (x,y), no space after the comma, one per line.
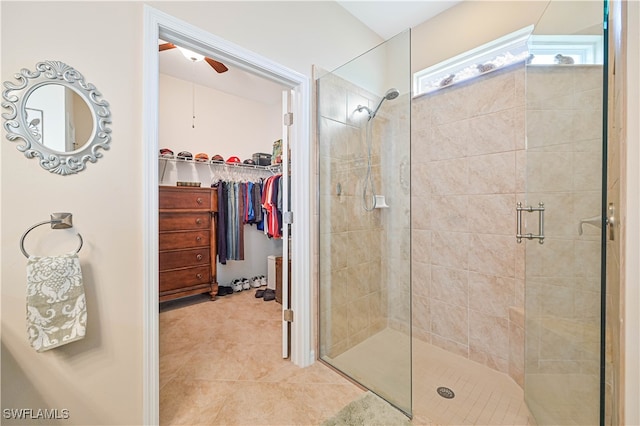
(564,172)
(364,220)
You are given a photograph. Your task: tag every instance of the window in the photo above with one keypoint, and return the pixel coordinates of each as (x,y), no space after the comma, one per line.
(512,48)
(583,49)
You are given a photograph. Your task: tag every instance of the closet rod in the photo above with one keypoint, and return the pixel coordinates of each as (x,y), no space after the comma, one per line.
(272,168)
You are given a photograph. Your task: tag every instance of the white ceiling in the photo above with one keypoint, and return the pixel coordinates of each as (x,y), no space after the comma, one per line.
(385,18)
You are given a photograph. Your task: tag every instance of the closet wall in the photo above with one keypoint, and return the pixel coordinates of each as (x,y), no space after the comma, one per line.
(224,124)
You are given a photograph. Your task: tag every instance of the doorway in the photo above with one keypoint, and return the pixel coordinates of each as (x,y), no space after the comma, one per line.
(160,25)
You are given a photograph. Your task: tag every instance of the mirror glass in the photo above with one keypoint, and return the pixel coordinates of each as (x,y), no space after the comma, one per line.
(58,117)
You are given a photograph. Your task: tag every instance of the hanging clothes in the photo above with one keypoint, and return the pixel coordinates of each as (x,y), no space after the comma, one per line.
(241,203)
(221,228)
(273,216)
(240,223)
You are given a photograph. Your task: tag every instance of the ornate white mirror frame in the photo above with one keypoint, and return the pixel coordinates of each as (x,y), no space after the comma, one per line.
(23,125)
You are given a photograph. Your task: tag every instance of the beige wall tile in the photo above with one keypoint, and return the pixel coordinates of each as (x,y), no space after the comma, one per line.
(488,333)
(449,321)
(492,133)
(492,214)
(492,254)
(449,177)
(450,212)
(450,249)
(492,174)
(450,285)
(449,140)
(420,278)
(491,295)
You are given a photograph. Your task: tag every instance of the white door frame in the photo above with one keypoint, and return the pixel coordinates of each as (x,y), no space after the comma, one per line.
(159,24)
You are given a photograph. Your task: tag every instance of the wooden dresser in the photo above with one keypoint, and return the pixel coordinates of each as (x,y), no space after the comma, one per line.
(187,257)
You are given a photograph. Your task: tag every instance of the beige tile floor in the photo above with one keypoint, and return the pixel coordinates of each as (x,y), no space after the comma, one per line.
(220,363)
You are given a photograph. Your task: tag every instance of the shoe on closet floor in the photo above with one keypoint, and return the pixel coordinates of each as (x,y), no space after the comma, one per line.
(269,294)
(236,285)
(256,282)
(246,284)
(223,290)
(259,294)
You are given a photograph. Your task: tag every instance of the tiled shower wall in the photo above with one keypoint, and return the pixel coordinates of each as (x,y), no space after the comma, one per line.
(353,292)
(467,154)
(468,173)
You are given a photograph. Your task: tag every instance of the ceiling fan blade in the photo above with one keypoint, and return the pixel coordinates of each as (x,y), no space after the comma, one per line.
(166,46)
(218,66)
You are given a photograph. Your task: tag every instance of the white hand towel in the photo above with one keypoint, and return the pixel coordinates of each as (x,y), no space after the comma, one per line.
(56,308)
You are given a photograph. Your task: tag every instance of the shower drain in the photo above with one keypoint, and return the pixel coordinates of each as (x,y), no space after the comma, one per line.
(445,392)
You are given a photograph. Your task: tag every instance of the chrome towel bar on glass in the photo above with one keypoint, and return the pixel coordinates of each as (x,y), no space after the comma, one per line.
(58,221)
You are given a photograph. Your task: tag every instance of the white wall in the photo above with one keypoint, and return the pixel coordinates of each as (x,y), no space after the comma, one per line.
(227,125)
(99,380)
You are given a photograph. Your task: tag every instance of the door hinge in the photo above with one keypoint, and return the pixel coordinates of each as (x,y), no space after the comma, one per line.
(287,217)
(287,315)
(288,119)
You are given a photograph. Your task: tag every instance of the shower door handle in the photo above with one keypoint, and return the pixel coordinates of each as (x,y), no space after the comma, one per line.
(530,209)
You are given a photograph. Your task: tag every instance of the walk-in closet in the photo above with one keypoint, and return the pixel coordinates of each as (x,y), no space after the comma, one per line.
(220,216)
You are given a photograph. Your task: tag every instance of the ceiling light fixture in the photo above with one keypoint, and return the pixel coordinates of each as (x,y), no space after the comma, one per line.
(192,56)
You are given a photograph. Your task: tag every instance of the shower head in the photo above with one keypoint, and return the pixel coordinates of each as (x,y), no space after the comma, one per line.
(390,95)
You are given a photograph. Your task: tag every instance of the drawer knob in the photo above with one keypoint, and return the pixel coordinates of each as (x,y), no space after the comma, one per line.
(198,221)
(198,238)
(199,276)
(198,257)
(199,200)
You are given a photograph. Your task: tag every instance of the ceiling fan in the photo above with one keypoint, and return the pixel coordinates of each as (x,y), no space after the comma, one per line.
(218,66)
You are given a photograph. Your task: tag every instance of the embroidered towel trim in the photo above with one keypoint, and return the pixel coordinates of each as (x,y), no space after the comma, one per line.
(56,308)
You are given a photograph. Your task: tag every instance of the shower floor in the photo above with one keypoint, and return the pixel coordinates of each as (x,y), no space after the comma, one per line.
(482,396)
(560,398)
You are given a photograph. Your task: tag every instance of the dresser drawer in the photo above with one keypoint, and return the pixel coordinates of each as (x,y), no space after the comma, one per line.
(171,280)
(182,258)
(184,239)
(178,221)
(184,198)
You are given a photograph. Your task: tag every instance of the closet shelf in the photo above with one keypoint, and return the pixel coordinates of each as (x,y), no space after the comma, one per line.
(273,168)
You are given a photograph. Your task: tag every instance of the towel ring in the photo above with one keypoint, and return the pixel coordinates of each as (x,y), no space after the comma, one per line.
(58,221)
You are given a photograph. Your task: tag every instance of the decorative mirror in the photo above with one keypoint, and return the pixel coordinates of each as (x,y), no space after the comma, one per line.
(59,117)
